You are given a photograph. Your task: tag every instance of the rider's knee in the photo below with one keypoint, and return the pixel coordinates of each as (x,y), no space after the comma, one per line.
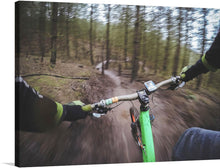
(196,144)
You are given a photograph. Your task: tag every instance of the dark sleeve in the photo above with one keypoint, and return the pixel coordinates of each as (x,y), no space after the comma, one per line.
(212,56)
(195,70)
(33,112)
(209,62)
(37,113)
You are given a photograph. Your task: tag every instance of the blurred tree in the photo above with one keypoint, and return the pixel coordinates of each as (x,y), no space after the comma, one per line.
(203,38)
(127,19)
(108,7)
(136,43)
(179,37)
(75,28)
(91,35)
(158,26)
(168,22)
(188,20)
(92,30)
(143,37)
(69,10)
(42,27)
(61,23)
(54,33)
(27,27)
(102,57)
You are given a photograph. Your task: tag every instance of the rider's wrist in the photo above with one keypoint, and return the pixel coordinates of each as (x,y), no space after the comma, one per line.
(59,113)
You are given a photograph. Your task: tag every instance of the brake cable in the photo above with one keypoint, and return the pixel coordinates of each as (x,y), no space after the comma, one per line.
(116,105)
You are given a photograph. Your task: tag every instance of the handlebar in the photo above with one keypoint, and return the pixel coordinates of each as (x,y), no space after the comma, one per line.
(174,81)
(166,82)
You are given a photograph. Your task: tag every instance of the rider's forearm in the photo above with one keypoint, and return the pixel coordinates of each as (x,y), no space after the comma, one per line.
(209,62)
(195,70)
(34,112)
(212,57)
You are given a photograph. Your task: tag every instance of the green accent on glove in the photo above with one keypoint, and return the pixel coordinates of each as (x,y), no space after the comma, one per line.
(59,112)
(207,65)
(182,73)
(182,76)
(185,69)
(87,108)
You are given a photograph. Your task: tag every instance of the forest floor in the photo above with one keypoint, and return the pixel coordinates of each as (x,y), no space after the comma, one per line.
(108,139)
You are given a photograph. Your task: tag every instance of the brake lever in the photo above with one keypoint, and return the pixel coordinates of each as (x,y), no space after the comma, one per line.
(181,84)
(176,86)
(97,115)
(100,112)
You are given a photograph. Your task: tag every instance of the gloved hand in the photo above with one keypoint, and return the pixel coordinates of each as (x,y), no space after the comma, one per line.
(73,112)
(190,72)
(183,74)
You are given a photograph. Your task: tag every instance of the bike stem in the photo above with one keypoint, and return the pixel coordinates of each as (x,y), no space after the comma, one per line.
(143,99)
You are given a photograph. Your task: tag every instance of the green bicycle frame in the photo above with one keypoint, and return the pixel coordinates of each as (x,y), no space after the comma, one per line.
(147,137)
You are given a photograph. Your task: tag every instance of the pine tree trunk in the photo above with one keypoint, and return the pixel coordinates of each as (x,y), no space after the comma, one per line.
(136,44)
(186,51)
(90,36)
(157,52)
(67,34)
(107,38)
(126,36)
(119,63)
(54,33)
(167,48)
(167,53)
(75,36)
(76,45)
(144,51)
(204,12)
(185,56)
(102,55)
(42,27)
(177,53)
(144,48)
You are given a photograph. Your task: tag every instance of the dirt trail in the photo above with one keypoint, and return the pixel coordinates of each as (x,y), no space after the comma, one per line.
(89,141)
(164,136)
(121,118)
(108,139)
(173,112)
